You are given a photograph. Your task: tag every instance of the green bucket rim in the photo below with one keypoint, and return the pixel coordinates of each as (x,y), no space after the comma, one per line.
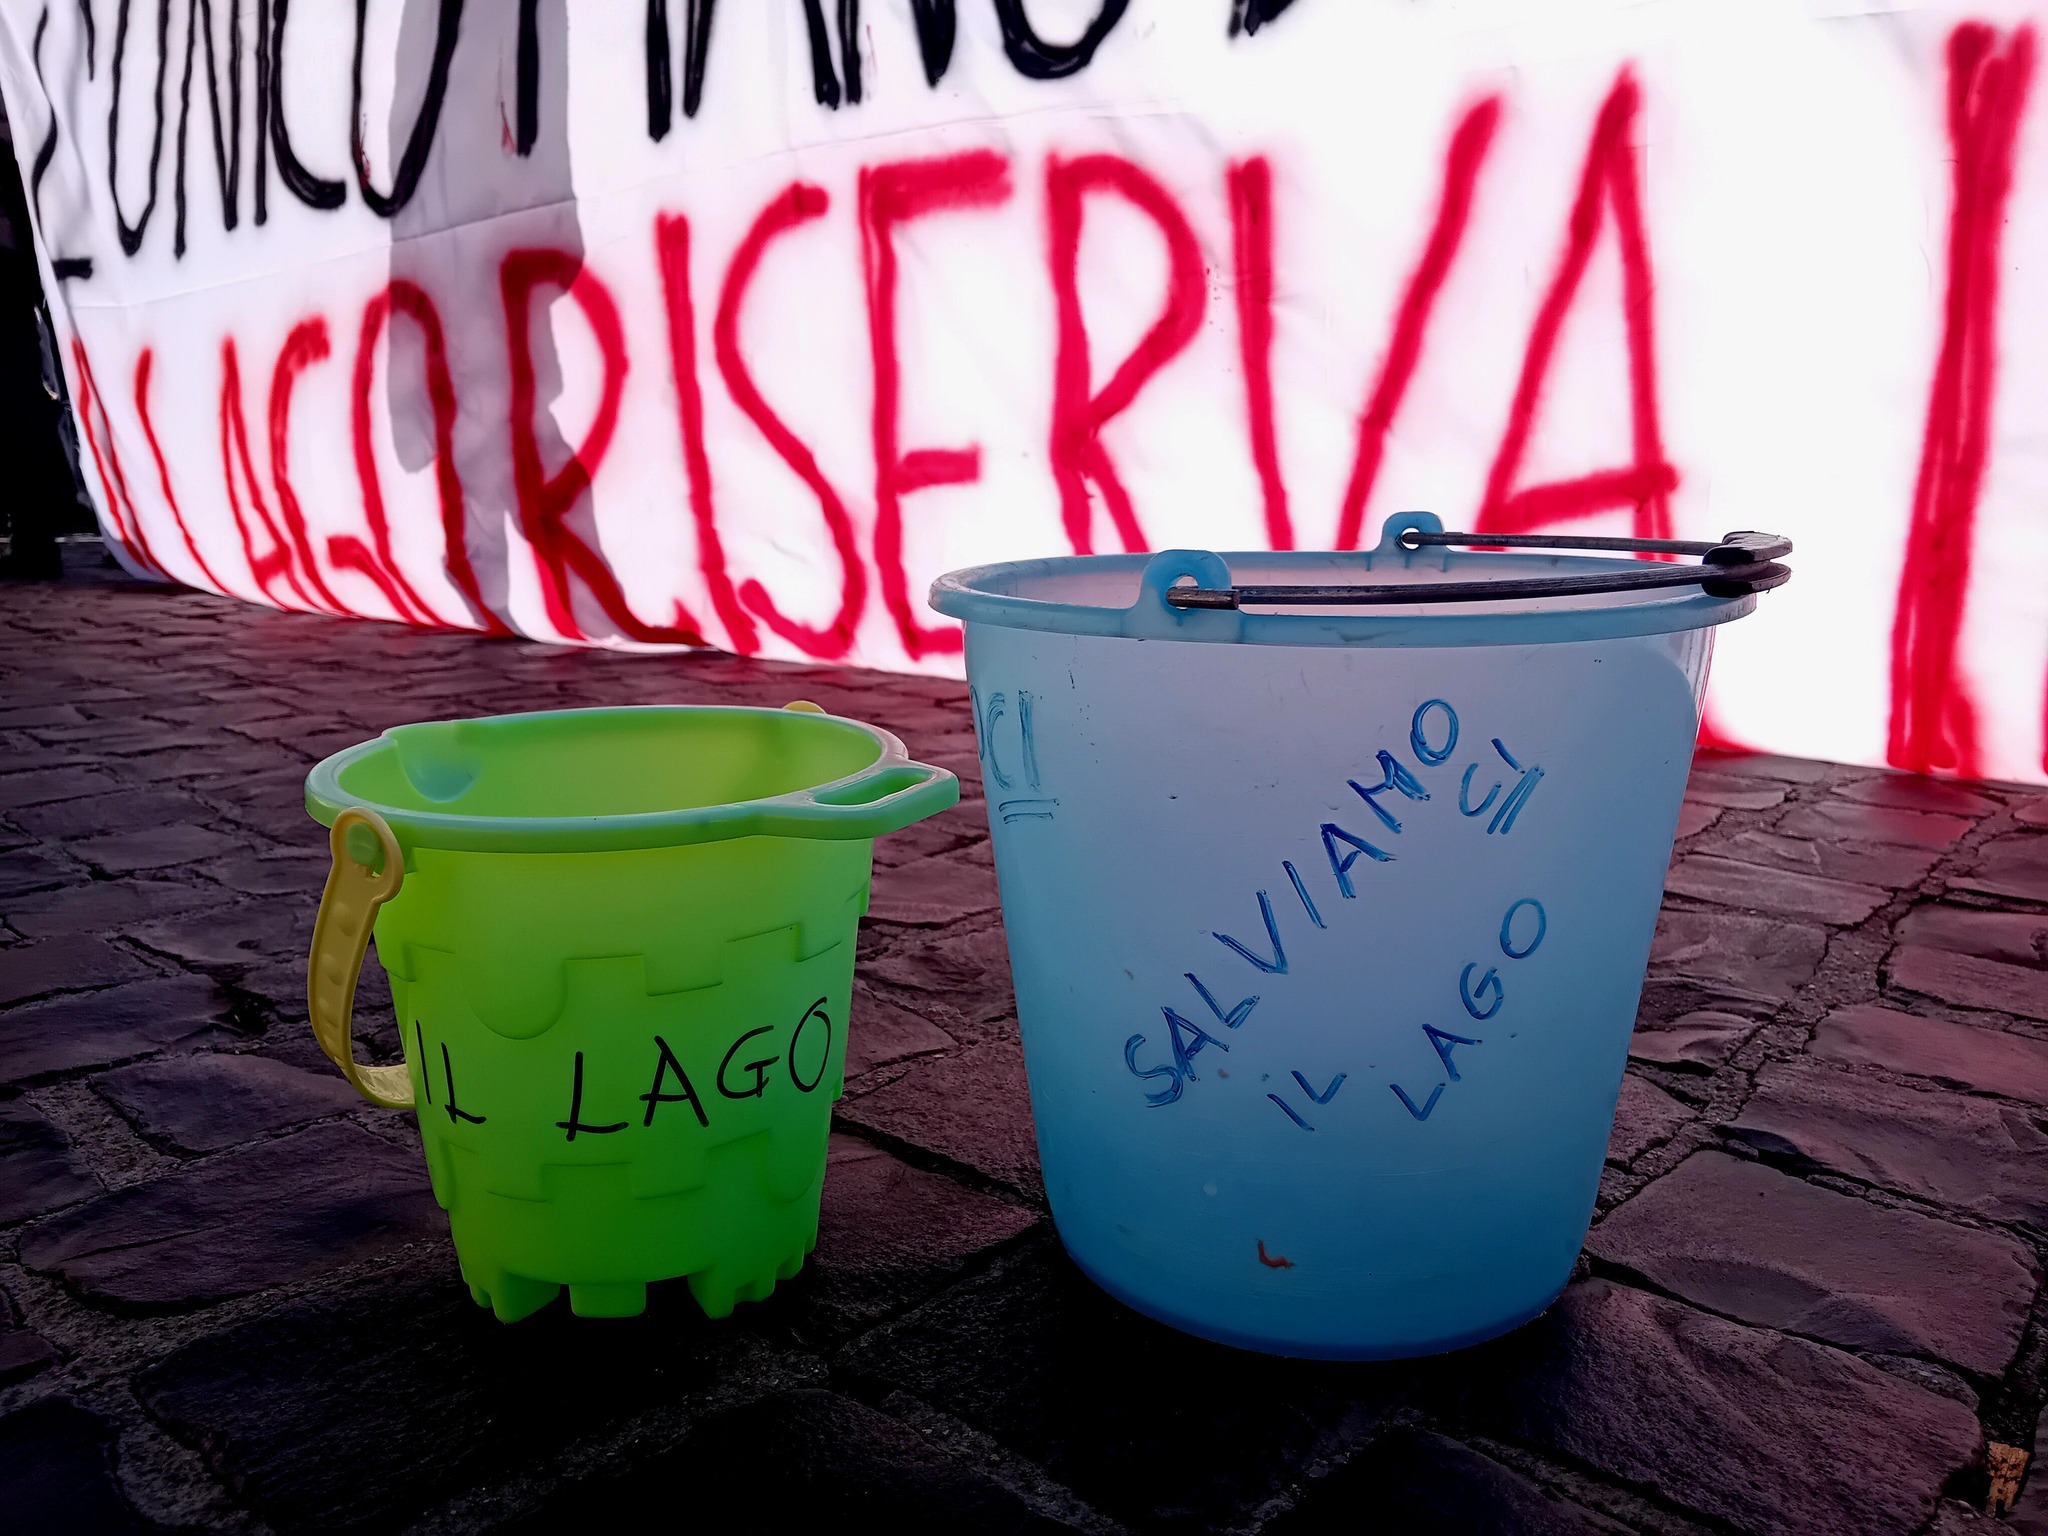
(888,795)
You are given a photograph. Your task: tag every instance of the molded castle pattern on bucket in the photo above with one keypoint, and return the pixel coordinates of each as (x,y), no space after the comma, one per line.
(621,946)
(645,1093)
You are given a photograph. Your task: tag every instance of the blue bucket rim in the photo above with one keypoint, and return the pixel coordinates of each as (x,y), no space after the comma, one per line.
(988,595)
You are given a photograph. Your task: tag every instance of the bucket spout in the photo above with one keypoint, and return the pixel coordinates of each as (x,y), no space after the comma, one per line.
(436,760)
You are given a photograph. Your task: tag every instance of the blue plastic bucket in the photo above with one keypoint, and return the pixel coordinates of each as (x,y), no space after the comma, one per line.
(1328,928)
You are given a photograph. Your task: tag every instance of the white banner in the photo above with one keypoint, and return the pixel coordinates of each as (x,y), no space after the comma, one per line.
(669,321)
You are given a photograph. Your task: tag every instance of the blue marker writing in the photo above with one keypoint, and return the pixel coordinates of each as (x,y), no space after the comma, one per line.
(1418,735)
(1392,776)
(1507,926)
(1277,966)
(1341,867)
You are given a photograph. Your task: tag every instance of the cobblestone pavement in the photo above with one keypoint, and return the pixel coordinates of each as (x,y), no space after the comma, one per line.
(227,1300)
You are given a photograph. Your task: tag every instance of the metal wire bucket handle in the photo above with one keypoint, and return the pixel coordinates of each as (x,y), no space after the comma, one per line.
(1740,564)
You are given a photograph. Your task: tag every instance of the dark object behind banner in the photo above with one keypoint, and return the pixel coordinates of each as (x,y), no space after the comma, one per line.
(44,501)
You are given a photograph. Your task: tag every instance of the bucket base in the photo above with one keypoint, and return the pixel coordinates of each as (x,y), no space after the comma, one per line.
(1295,1349)
(512,1297)
(718,1290)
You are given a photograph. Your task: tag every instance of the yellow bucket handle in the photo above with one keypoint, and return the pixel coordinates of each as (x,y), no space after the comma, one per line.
(368,869)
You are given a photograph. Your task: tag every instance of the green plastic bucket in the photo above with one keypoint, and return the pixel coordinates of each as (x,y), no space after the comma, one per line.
(621,949)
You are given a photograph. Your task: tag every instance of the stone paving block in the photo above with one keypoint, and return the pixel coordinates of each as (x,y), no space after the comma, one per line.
(883,1031)
(222,713)
(131,810)
(971,971)
(1163,1431)
(39,786)
(938,834)
(1733,794)
(1644,1116)
(1762,765)
(236,937)
(889,1236)
(421,1394)
(103,906)
(1892,867)
(1751,956)
(279,816)
(40,1170)
(1414,1481)
(1957,1519)
(57,1474)
(123,853)
(96,1029)
(32,715)
(802,1461)
(1695,819)
(2014,865)
(294,729)
(148,757)
(1730,884)
(2019,938)
(1967,981)
(208,1101)
(923,724)
(265,1215)
(23,1351)
(1856,823)
(376,1019)
(1950,1149)
(971,1106)
(301,872)
(1697,1041)
(68,964)
(75,690)
(24,1354)
(86,725)
(23,753)
(314,746)
(148,754)
(1912,792)
(30,869)
(932,892)
(281,989)
(1760,1246)
(1961,1055)
(1768,1433)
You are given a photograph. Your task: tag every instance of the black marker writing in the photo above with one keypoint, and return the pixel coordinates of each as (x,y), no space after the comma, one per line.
(448,1074)
(1247,16)
(575,1121)
(654,1098)
(413,160)
(937,27)
(314,191)
(1036,59)
(131,234)
(817,1012)
(758,1068)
